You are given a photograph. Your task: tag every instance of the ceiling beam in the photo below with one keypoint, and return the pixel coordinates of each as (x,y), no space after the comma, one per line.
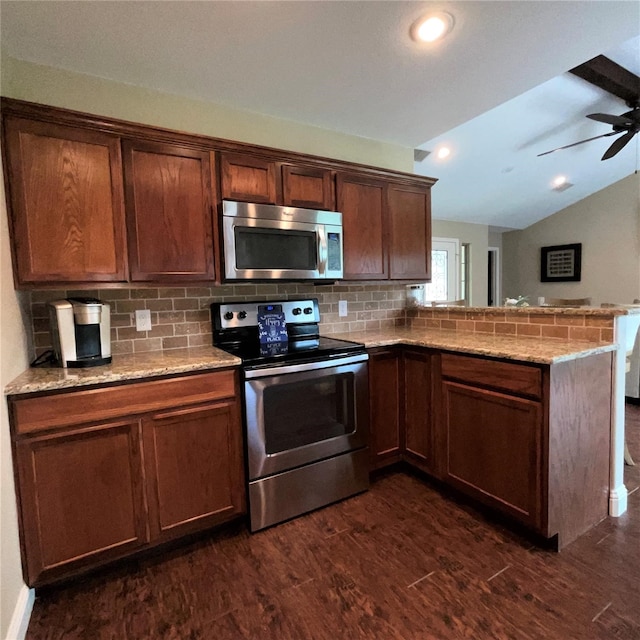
(611,77)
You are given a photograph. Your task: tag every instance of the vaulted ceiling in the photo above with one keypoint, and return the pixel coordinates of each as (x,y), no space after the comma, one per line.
(350,66)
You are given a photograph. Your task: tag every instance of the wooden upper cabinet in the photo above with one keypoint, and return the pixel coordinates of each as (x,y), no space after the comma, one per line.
(66,203)
(308,187)
(361,200)
(169,219)
(248,178)
(409,219)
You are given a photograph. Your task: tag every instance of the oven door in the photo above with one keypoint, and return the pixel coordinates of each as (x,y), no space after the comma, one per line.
(298,414)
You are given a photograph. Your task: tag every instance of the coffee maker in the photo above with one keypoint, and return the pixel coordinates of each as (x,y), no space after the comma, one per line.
(80,332)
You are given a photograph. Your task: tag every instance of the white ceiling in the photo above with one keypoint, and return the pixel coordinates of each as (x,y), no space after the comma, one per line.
(494,176)
(350,66)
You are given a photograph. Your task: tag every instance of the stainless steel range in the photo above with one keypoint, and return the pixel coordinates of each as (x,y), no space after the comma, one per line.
(305,404)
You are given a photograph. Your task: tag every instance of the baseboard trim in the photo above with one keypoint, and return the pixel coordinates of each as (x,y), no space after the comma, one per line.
(618,501)
(21,614)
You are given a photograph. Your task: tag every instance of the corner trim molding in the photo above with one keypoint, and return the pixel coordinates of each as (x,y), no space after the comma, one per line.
(21,614)
(618,501)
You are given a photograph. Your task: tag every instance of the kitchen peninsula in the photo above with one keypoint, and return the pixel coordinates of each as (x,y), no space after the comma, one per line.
(520,423)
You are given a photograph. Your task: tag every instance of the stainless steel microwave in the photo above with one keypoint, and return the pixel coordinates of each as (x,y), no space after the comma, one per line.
(268,242)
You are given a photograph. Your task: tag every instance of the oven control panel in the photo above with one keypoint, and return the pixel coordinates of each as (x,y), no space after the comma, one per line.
(245,314)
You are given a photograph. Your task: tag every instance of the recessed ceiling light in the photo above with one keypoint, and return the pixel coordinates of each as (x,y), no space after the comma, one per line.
(560,183)
(443,152)
(432,27)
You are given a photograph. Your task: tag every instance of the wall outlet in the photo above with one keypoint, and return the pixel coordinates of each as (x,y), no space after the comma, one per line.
(143,320)
(342,308)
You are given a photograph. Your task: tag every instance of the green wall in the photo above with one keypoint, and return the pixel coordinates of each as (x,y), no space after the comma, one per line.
(47,85)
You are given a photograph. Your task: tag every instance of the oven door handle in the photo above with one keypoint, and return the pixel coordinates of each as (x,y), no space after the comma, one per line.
(252,374)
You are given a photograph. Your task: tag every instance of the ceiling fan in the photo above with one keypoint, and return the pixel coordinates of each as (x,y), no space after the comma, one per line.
(610,76)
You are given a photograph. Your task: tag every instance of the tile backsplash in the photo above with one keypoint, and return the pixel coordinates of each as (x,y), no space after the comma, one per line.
(584,327)
(180,316)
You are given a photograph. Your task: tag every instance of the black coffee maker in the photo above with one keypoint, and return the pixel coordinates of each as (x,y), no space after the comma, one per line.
(80,332)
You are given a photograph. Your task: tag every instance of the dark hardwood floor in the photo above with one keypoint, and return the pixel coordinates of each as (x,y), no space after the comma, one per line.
(400,561)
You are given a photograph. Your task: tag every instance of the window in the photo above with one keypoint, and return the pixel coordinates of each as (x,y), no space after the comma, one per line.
(445,281)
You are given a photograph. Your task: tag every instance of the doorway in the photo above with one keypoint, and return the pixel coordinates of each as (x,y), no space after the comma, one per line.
(494,294)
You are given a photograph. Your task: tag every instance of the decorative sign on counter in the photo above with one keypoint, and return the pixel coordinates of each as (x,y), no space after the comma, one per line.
(272,327)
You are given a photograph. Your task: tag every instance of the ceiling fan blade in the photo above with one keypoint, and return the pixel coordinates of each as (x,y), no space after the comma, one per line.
(604,135)
(618,145)
(620,121)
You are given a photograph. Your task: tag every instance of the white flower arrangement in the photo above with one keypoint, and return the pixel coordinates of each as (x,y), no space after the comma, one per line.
(520,301)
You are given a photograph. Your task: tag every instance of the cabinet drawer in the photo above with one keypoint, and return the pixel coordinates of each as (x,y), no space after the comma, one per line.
(506,376)
(75,407)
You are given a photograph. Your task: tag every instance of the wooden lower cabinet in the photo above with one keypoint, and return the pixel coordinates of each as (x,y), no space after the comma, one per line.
(81,497)
(191,457)
(91,490)
(531,441)
(417,414)
(385,401)
(400,400)
(493,448)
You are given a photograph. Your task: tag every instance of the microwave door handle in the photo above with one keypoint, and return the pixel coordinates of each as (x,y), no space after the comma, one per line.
(322,251)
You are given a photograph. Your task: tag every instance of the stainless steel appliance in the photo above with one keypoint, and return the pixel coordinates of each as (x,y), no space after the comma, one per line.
(80,332)
(306,410)
(266,242)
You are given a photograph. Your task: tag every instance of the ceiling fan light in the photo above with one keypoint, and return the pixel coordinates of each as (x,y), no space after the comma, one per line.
(432,27)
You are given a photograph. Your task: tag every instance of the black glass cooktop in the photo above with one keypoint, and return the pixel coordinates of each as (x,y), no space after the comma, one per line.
(253,354)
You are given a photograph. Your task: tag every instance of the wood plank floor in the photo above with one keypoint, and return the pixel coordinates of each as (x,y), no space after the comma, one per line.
(398,562)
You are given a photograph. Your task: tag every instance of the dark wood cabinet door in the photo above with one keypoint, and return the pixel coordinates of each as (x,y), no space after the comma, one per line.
(362,202)
(494,449)
(248,178)
(417,413)
(81,498)
(66,203)
(309,187)
(384,394)
(195,468)
(409,219)
(168,202)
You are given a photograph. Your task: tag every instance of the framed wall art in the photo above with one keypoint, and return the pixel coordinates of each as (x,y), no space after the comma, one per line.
(561,263)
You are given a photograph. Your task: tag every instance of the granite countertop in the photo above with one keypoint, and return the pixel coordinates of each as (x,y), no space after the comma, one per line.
(123,367)
(177,361)
(608,310)
(525,349)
